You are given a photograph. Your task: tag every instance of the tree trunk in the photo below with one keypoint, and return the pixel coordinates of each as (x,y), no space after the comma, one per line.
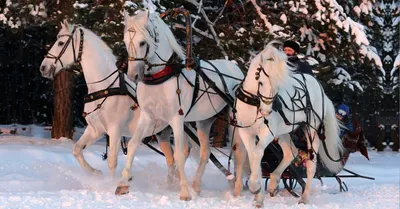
(395,138)
(379,139)
(63,105)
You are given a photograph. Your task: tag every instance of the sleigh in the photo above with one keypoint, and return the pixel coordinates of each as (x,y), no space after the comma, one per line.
(295,173)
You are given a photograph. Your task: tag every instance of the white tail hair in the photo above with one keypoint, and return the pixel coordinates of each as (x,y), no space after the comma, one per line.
(333,142)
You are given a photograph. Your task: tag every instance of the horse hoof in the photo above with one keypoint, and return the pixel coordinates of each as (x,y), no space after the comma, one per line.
(273,193)
(302,201)
(196,188)
(236,193)
(121,190)
(257,204)
(255,192)
(97,173)
(188,198)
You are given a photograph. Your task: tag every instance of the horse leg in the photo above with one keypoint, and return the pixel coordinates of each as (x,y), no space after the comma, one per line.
(240,157)
(165,147)
(115,139)
(255,153)
(177,126)
(186,146)
(310,164)
(141,130)
(203,133)
(89,136)
(289,151)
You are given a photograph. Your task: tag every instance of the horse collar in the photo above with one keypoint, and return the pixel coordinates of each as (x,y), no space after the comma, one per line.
(247,97)
(164,72)
(171,68)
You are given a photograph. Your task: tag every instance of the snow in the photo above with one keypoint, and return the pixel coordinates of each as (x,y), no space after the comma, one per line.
(395,21)
(240,32)
(357,84)
(311,61)
(268,25)
(3,18)
(150,6)
(343,77)
(397,61)
(38,10)
(42,173)
(357,10)
(78,5)
(396,65)
(364,8)
(283,18)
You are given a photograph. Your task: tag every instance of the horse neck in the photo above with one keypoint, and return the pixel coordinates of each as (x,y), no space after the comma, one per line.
(97,65)
(250,84)
(165,51)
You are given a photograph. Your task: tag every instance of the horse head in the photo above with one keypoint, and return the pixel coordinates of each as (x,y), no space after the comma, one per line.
(149,42)
(63,53)
(271,70)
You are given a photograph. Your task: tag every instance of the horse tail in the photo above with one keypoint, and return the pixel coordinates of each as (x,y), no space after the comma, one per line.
(332,151)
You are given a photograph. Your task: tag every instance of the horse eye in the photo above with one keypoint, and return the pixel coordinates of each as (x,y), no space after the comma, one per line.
(60,43)
(142,43)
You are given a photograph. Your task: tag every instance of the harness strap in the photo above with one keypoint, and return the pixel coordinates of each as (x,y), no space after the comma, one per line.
(103,93)
(227,98)
(221,77)
(247,97)
(171,69)
(195,93)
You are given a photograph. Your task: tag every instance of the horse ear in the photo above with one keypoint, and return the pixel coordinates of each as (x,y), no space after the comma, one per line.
(126,16)
(66,24)
(62,25)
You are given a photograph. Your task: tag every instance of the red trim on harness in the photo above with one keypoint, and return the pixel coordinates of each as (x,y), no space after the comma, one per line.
(164,72)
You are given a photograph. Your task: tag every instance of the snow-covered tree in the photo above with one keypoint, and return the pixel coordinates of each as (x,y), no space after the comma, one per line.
(21,53)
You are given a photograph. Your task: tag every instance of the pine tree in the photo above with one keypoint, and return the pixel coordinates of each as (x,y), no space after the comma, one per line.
(20,25)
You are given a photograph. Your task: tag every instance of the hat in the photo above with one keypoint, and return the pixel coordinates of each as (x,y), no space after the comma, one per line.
(343,110)
(292,44)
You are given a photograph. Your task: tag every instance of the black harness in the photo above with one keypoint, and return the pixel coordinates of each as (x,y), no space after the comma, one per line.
(105,93)
(77,59)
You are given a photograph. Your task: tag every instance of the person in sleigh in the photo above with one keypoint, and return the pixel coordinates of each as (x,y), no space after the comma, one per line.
(352,133)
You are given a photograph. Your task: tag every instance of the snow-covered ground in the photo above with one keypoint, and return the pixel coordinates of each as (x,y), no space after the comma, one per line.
(42,173)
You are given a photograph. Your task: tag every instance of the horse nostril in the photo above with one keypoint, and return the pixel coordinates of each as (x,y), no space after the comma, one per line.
(43,68)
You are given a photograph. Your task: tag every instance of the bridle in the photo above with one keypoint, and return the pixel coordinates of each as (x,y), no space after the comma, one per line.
(77,59)
(270,99)
(255,100)
(132,49)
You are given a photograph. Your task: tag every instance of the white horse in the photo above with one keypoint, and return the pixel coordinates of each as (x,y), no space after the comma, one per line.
(151,45)
(115,115)
(269,78)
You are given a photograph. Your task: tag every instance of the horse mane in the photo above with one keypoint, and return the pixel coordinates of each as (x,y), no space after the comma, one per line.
(97,42)
(275,64)
(154,25)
